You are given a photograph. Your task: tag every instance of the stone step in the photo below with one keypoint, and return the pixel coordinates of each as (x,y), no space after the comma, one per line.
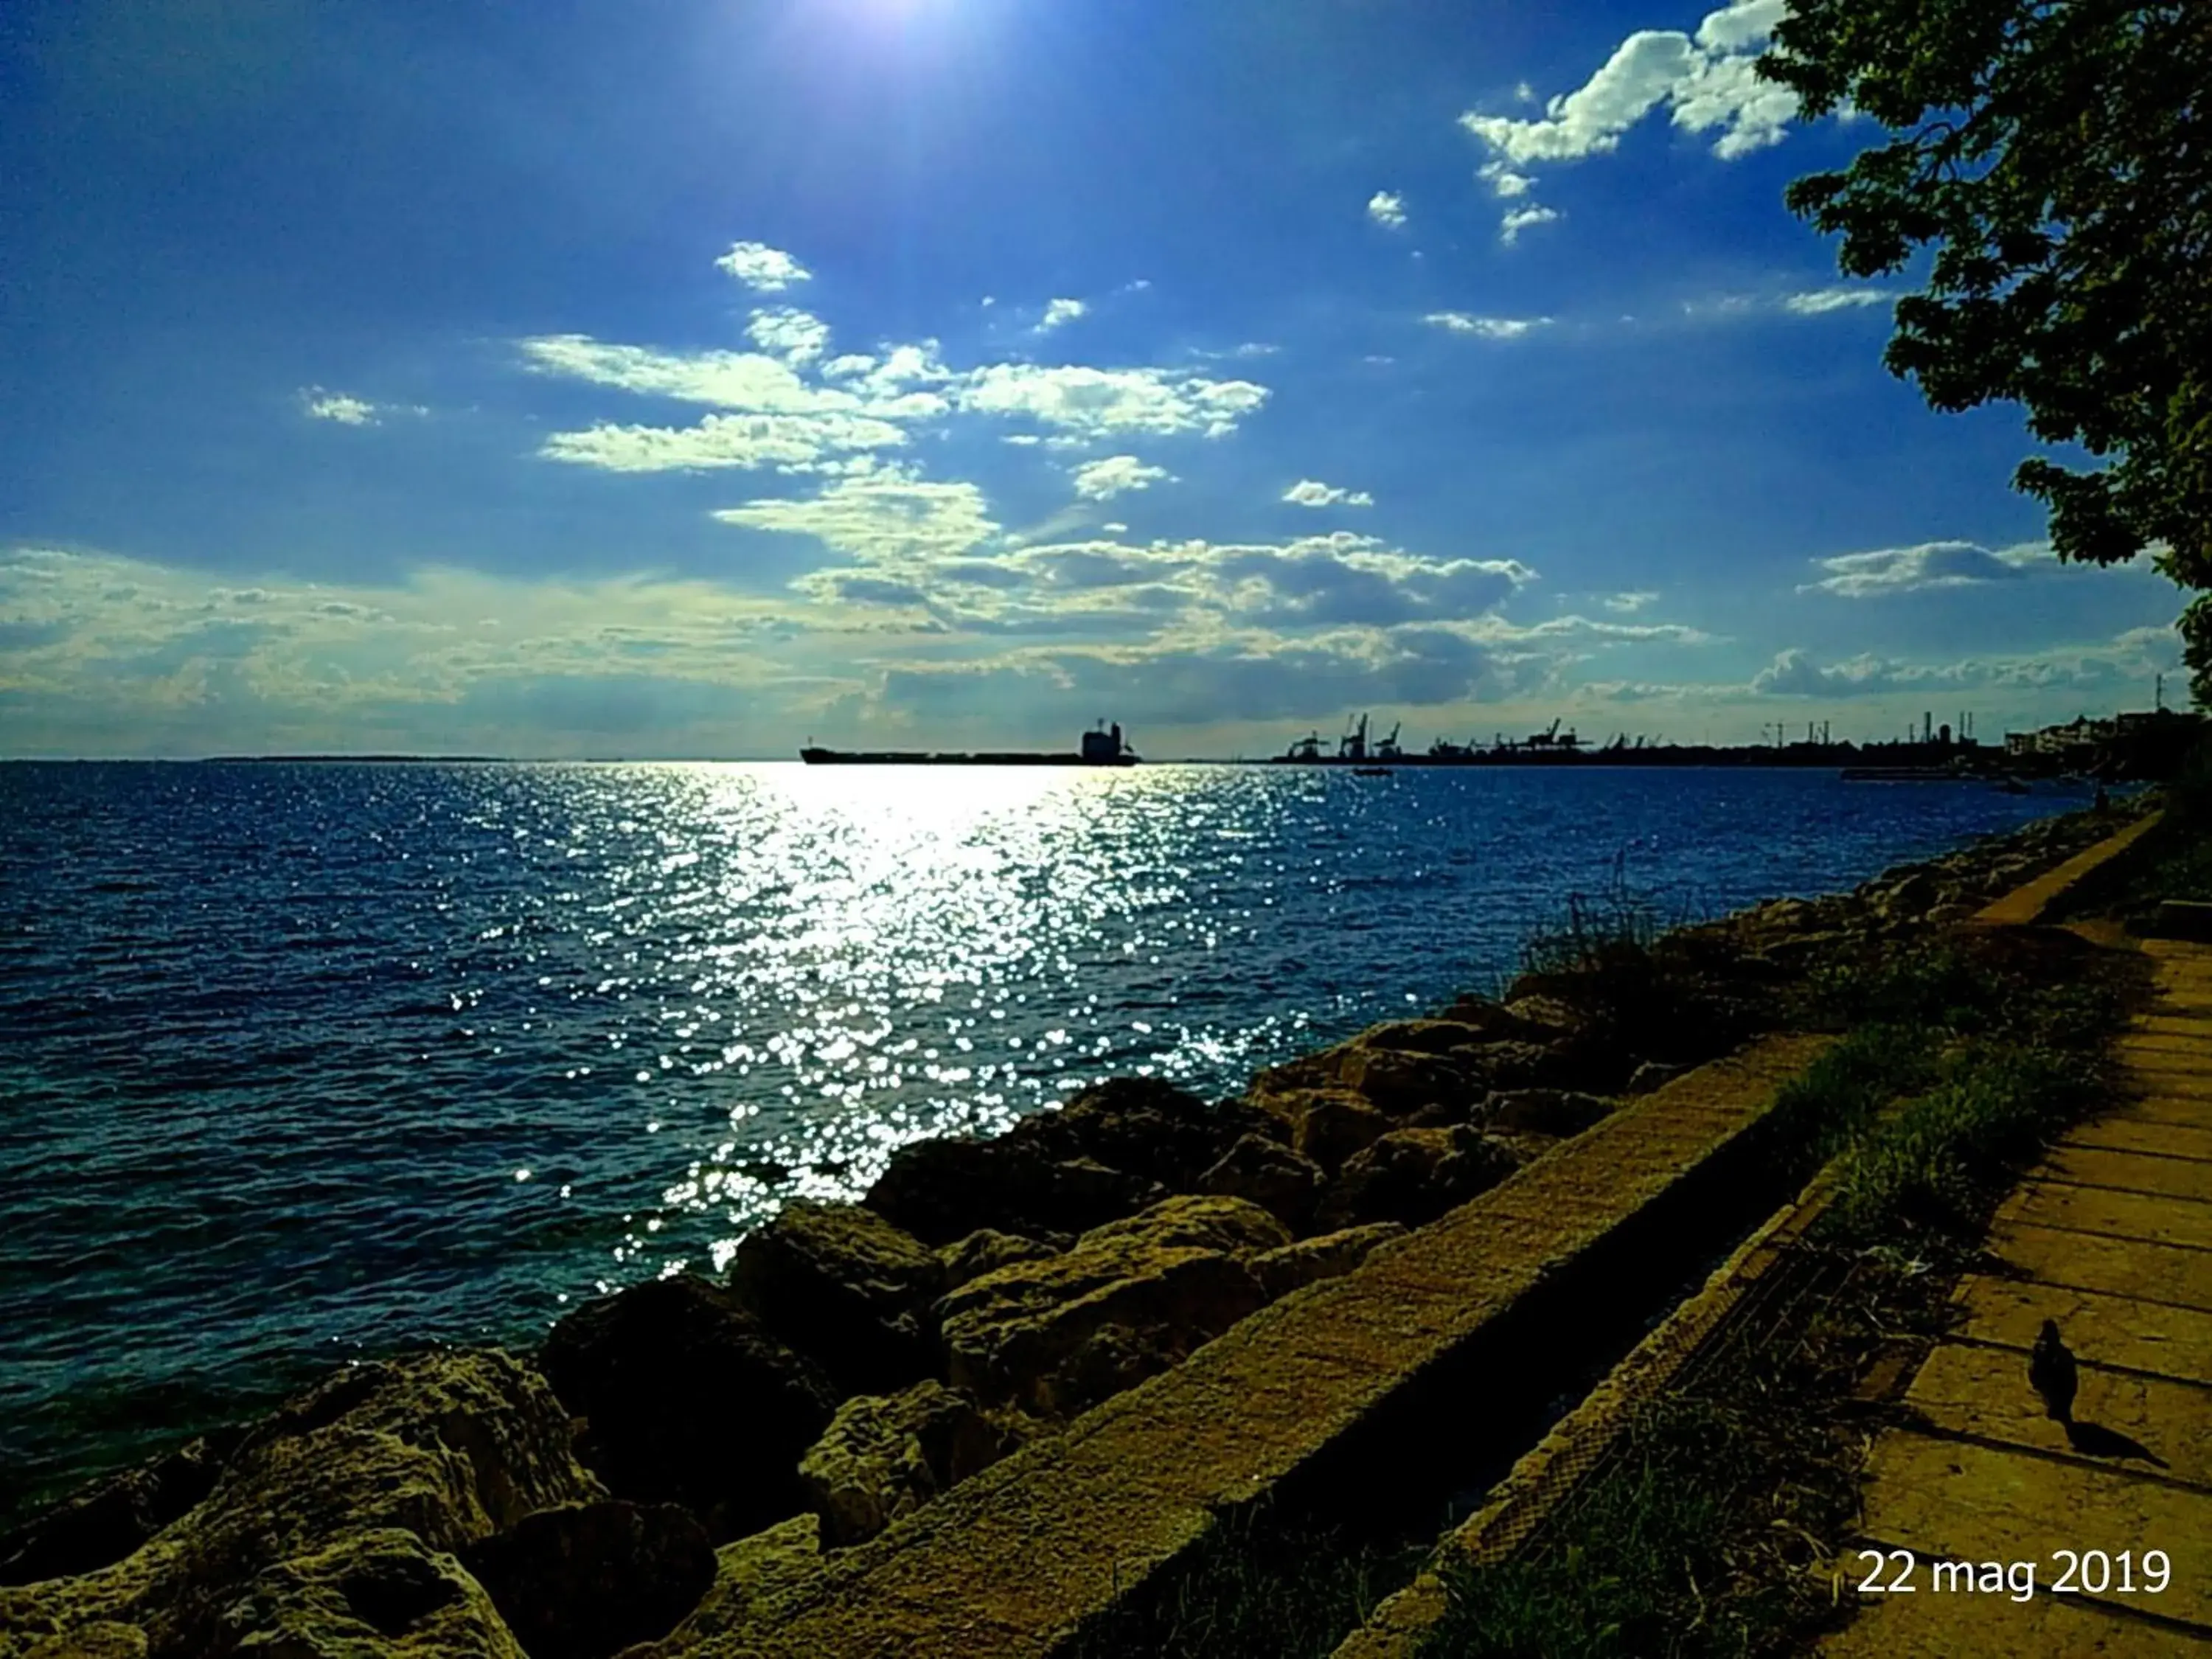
(1995,1626)
(2120,1331)
(1947,1499)
(1964,1388)
(2116,1267)
(2184,1179)
(2132,1215)
(2127,1133)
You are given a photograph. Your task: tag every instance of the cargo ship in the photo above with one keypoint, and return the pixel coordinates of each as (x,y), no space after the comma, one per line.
(1103,746)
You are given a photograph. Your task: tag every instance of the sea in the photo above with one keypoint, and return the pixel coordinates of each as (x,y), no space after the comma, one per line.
(305,1062)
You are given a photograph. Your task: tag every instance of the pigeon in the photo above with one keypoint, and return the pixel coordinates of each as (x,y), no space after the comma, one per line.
(2052,1373)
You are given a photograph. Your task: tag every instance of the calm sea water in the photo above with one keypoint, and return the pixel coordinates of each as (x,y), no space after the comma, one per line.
(302,1061)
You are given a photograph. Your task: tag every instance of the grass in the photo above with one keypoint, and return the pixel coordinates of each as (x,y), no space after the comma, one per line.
(1258,1587)
(1695,1540)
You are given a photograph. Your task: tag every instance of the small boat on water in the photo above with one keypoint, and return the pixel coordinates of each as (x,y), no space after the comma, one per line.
(1103,746)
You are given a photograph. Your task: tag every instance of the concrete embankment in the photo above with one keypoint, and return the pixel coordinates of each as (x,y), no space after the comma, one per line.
(1016,1559)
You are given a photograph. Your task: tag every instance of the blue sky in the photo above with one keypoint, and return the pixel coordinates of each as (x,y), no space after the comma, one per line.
(687,380)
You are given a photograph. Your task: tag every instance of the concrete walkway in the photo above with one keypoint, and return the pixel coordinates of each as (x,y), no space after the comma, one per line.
(2111,1236)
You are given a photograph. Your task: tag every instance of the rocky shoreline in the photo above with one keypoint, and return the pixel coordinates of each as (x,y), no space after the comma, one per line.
(676,1455)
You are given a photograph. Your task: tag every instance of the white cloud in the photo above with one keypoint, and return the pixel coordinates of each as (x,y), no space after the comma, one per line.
(763,269)
(1819,301)
(1103,480)
(323,406)
(796,337)
(1708,82)
(1635,601)
(1489,328)
(1091,403)
(790,443)
(727,380)
(1929,565)
(1387,208)
(1520,219)
(1059,312)
(1311,492)
(880,517)
(1503,180)
(2102,668)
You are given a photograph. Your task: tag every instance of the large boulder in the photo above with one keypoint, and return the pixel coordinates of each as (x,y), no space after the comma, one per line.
(753,1577)
(1413,1176)
(1510,1063)
(1397,1081)
(1145,1126)
(380,1594)
(985,1251)
(840,1284)
(586,1580)
(1330,1256)
(881,1458)
(1327,1126)
(1441,1036)
(687,1400)
(943,1189)
(110,1519)
(1056,1336)
(331,1526)
(1205,1221)
(1280,1180)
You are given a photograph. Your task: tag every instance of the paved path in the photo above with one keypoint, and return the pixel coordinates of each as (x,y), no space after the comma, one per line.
(2111,1236)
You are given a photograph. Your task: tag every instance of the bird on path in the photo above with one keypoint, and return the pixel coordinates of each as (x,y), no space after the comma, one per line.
(2052,1374)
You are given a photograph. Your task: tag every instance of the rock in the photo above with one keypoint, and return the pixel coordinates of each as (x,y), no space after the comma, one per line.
(1294,1267)
(1511,1063)
(331,1526)
(450,1445)
(1653,1074)
(752,1578)
(1783,915)
(1235,1226)
(1397,1081)
(1144,1126)
(985,1251)
(115,1515)
(1413,1176)
(373,1594)
(1056,1336)
(840,1284)
(1908,899)
(941,1190)
(105,1640)
(688,1400)
(1280,1180)
(1544,1019)
(1486,1017)
(1329,1125)
(586,1580)
(1558,1112)
(882,1458)
(1439,1036)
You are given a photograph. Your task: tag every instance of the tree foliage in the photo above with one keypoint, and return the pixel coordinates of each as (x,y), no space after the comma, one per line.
(2055,156)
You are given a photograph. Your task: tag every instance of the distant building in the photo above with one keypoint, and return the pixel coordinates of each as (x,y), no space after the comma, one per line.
(2140,742)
